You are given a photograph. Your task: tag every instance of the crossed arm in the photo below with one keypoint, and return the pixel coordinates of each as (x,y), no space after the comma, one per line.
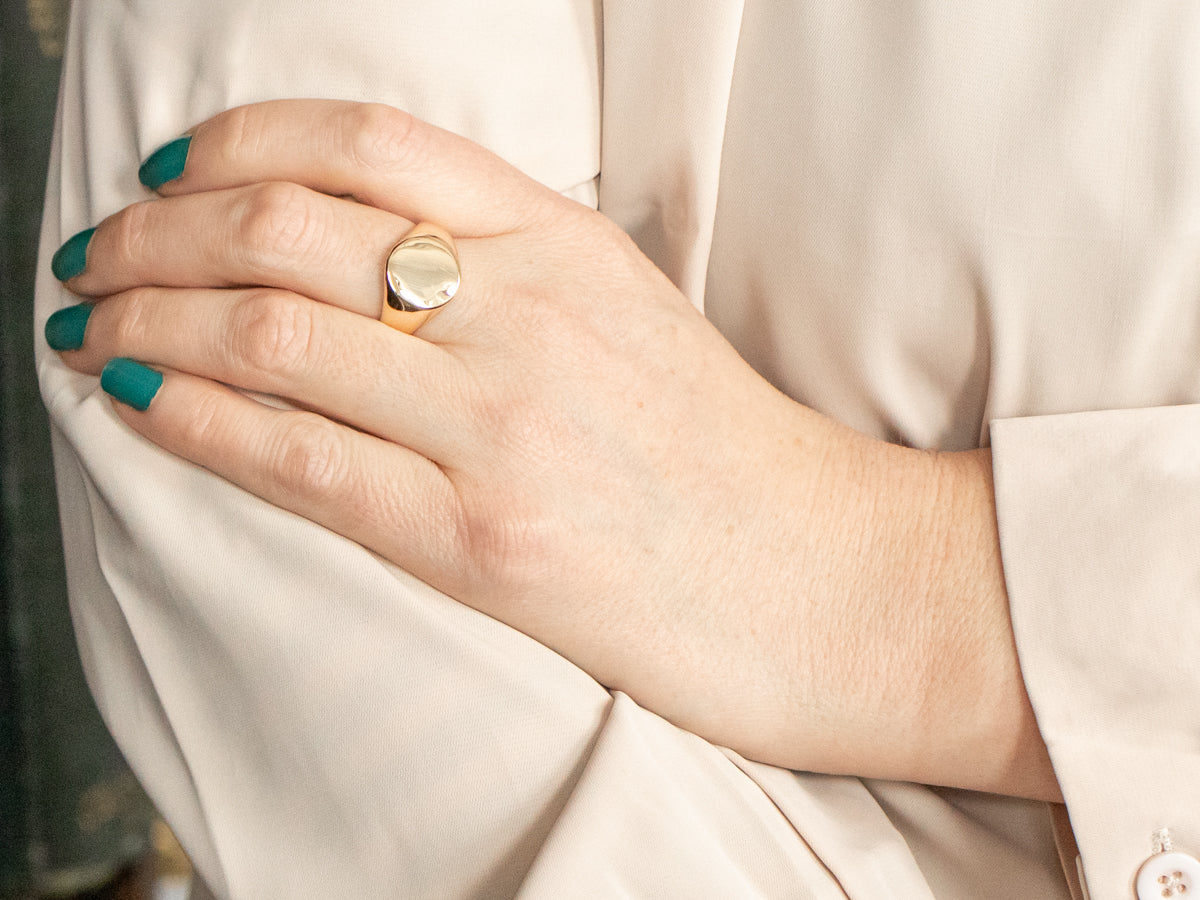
(568,446)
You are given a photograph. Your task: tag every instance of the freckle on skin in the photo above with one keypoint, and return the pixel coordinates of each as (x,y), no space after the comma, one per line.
(729,530)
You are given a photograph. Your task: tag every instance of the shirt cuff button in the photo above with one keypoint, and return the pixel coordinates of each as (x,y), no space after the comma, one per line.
(1173,875)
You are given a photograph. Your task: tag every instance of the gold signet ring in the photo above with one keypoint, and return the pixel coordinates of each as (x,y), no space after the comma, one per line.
(422,275)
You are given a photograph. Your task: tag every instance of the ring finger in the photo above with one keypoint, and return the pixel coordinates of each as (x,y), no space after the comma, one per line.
(275,234)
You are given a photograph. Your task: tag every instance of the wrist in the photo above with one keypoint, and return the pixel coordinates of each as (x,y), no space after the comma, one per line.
(905,620)
(976,728)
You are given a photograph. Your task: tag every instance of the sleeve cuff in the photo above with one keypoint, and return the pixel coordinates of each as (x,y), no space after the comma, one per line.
(1099,517)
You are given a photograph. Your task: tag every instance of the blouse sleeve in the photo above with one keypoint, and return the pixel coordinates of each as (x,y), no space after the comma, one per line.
(1099,516)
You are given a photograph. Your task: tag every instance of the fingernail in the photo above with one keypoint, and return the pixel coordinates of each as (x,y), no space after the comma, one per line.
(130,382)
(65,328)
(71,257)
(165,164)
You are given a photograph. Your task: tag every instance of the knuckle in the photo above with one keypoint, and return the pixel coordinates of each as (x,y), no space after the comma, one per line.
(131,232)
(272,332)
(276,225)
(133,320)
(202,426)
(309,457)
(380,136)
(541,426)
(241,134)
(512,535)
(512,554)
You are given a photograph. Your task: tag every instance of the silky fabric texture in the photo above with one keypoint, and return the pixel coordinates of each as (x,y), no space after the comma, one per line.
(932,224)
(986,220)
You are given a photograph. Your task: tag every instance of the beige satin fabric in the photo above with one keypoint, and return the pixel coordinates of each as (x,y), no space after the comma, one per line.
(919,219)
(985,219)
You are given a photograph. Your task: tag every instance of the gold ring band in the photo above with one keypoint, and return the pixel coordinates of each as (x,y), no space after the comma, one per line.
(421,276)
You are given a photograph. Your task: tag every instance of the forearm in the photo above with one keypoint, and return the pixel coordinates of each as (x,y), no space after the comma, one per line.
(903,659)
(637,499)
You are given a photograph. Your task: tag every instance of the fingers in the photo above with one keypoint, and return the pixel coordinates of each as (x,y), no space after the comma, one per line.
(257,196)
(383,496)
(379,155)
(322,358)
(275,235)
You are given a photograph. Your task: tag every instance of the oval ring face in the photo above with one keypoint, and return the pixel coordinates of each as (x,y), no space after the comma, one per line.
(422,274)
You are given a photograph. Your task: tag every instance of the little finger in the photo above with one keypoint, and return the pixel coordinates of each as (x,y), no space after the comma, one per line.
(387,498)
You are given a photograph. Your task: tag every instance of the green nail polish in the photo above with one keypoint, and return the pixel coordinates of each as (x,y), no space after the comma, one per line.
(130,382)
(65,328)
(71,256)
(165,164)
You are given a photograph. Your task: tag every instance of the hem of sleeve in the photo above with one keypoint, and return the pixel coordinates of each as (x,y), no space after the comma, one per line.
(1099,517)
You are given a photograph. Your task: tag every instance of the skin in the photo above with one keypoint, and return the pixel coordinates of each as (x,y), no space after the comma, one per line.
(568,446)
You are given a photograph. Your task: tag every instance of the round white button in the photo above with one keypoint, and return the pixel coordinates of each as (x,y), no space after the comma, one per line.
(1168,875)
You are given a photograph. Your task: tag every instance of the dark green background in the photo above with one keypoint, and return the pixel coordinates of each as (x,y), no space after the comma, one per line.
(71,814)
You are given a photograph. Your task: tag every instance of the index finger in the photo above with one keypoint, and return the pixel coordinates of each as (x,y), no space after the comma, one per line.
(375,153)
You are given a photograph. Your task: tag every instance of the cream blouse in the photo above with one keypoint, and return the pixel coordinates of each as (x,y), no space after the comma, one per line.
(943,224)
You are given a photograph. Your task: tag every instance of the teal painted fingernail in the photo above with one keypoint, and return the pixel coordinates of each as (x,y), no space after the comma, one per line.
(165,164)
(130,382)
(65,328)
(71,257)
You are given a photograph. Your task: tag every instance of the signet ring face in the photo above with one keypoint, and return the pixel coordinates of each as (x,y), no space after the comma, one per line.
(422,275)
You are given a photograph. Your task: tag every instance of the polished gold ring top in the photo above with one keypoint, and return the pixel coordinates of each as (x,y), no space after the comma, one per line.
(422,275)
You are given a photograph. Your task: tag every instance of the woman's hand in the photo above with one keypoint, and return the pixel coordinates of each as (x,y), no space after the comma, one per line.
(567,446)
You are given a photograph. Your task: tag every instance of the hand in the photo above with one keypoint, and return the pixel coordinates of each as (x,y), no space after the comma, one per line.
(567,446)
